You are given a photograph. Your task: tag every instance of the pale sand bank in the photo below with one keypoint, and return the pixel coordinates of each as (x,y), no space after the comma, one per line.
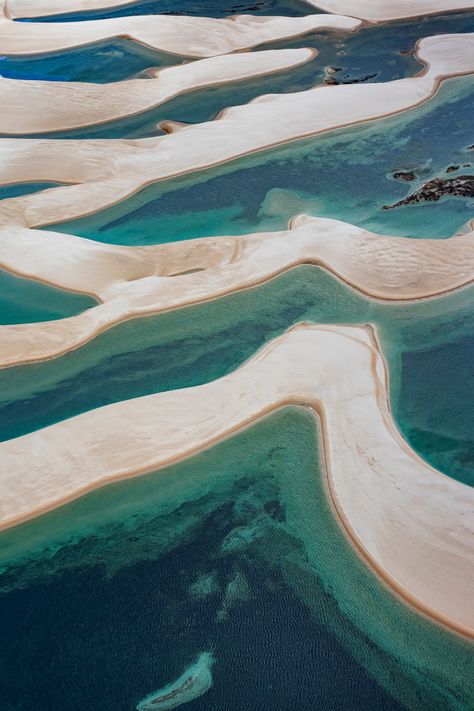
(382,10)
(42,8)
(134,281)
(110,170)
(179,35)
(66,105)
(419,543)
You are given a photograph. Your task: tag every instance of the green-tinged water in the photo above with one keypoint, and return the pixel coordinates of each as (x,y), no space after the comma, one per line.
(193,345)
(26,301)
(345,174)
(168,564)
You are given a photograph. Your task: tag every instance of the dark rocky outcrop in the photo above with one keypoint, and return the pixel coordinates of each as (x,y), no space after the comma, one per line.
(406,175)
(460,186)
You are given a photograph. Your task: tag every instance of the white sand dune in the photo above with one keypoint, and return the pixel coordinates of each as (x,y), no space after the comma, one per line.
(180,35)
(43,8)
(383,10)
(66,105)
(372,10)
(134,281)
(108,171)
(420,544)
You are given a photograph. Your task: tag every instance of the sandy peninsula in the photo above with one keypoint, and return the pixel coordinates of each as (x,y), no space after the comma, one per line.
(381,10)
(66,105)
(178,35)
(420,544)
(107,171)
(137,281)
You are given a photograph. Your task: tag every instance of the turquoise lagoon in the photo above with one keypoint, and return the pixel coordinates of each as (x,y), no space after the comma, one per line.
(26,300)
(193,345)
(235,551)
(344,174)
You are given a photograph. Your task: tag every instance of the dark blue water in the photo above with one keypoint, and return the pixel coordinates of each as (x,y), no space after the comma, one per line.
(123,614)
(206,8)
(101,62)
(26,301)
(370,55)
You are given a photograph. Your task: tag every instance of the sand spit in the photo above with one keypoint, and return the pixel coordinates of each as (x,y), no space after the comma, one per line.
(110,170)
(134,281)
(66,105)
(180,35)
(381,10)
(419,543)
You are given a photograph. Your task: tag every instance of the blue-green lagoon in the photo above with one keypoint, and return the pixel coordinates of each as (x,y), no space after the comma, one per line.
(235,551)
(345,174)
(194,345)
(26,301)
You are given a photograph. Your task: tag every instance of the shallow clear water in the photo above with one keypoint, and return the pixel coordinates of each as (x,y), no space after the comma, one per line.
(99,63)
(17,189)
(234,551)
(26,301)
(191,346)
(346,174)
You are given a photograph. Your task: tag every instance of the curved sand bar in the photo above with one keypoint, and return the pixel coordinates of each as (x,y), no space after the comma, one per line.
(66,105)
(187,36)
(383,10)
(420,544)
(134,281)
(110,170)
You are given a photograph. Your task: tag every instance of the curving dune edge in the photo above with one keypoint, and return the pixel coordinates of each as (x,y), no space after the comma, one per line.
(134,281)
(419,544)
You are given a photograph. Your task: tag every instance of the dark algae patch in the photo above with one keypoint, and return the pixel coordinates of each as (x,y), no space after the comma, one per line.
(434,190)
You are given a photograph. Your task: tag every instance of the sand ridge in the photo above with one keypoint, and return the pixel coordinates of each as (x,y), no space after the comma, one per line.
(420,544)
(108,171)
(196,37)
(136,281)
(60,106)
(382,10)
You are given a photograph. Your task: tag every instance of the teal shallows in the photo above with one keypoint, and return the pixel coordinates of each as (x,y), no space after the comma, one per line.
(194,345)
(100,63)
(26,301)
(17,189)
(346,174)
(272,478)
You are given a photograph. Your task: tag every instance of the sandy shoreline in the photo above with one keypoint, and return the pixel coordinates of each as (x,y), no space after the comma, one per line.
(108,171)
(382,11)
(378,484)
(137,281)
(61,106)
(194,37)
